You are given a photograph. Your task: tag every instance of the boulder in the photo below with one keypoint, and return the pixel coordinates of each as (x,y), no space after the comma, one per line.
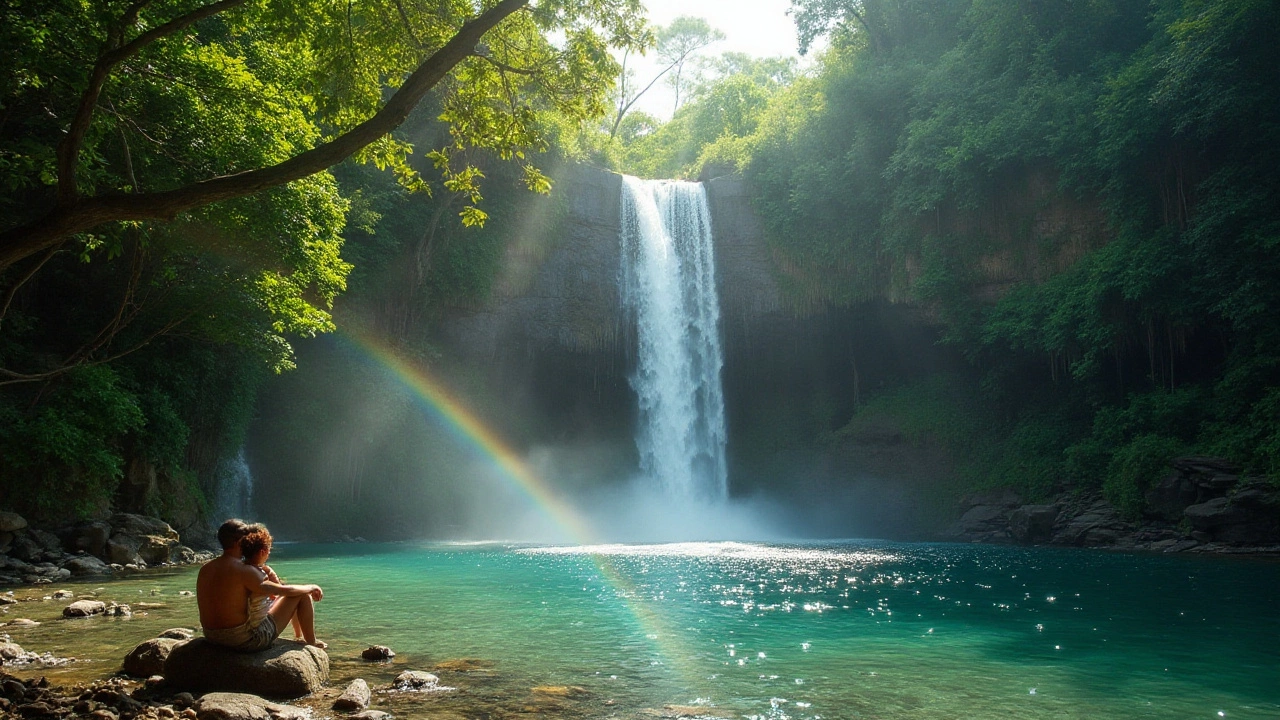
(46,540)
(11,522)
(1201,465)
(84,608)
(1169,497)
(1033,523)
(1097,524)
(138,537)
(131,524)
(1249,516)
(414,679)
(123,550)
(183,555)
(86,565)
(25,548)
(148,657)
(377,653)
(986,516)
(10,651)
(285,670)
(6,540)
(90,537)
(241,706)
(355,697)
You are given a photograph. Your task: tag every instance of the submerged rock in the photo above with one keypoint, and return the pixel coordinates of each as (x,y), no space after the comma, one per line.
(355,697)
(148,657)
(178,634)
(371,715)
(285,670)
(242,706)
(560,690)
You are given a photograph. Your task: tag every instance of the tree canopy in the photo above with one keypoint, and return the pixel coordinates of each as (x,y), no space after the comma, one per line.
(170,219)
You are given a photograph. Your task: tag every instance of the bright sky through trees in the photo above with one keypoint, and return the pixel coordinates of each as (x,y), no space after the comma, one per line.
(760,28)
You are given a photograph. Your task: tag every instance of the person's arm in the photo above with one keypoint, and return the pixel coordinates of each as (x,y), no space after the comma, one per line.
(258,584)
(271,574)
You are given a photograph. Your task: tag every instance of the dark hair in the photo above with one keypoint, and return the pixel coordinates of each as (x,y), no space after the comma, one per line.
(255,542)
(231,531)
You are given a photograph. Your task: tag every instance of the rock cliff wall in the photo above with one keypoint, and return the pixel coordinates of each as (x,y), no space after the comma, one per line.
(556,347)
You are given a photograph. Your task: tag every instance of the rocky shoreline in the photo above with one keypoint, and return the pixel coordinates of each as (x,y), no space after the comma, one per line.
(122,543)
(1203,505)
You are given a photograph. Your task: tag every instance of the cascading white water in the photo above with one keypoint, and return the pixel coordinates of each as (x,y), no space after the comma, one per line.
(667,280)
(234,496)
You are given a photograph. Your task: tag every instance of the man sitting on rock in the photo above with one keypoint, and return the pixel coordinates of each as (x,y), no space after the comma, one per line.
(234,598)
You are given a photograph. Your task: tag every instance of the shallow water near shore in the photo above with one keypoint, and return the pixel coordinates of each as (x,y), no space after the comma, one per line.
(753,630)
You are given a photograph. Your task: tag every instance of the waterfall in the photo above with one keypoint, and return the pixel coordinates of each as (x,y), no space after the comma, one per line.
(234,495)
(667,280)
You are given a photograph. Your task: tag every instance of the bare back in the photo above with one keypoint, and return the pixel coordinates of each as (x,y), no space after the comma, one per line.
(222,594)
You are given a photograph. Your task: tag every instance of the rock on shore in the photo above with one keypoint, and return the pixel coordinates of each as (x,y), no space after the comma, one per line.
(120,543)
(1201,505)
(286,670)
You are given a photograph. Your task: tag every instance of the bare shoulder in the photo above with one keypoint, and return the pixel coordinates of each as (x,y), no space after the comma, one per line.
(250,575)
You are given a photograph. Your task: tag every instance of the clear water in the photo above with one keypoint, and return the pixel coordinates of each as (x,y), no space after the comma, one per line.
(848,630)
(667,279)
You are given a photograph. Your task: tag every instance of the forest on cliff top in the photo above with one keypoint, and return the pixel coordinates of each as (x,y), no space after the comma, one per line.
(1082,193)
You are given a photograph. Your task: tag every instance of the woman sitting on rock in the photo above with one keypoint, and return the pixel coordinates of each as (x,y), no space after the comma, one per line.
(234,595)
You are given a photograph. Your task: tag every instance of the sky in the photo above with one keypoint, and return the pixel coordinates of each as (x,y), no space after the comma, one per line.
(757,27)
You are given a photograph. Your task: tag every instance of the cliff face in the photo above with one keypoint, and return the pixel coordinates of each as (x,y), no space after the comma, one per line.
(556,349)
(559,292)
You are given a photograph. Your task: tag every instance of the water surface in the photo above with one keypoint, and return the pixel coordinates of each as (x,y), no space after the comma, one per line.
(747,630)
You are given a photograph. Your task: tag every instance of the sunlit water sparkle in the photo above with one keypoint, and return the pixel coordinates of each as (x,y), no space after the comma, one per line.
(754,630)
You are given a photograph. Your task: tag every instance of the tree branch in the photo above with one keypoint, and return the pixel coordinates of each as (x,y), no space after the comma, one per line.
(13,291)
(77,215)
(69,148)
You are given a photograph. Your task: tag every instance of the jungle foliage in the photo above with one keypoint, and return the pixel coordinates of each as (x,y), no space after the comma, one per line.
(171,227)
(1084,192)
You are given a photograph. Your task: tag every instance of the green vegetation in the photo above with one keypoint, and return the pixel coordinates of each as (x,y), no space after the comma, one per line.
(1085,193)
(171,226)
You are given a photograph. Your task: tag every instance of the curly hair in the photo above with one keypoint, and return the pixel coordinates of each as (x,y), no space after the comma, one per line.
(255,542)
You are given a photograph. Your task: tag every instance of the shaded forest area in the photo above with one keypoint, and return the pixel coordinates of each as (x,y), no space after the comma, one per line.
(1084,193)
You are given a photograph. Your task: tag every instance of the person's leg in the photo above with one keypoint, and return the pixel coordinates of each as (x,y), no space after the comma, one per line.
(297,628)
(285,610)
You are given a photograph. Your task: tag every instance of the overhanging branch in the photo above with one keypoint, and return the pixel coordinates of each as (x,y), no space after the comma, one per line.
(77,215)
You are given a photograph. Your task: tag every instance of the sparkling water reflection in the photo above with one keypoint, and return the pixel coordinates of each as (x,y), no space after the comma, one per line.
(751,630)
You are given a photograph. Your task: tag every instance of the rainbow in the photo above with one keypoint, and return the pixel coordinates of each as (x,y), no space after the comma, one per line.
(441,403)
